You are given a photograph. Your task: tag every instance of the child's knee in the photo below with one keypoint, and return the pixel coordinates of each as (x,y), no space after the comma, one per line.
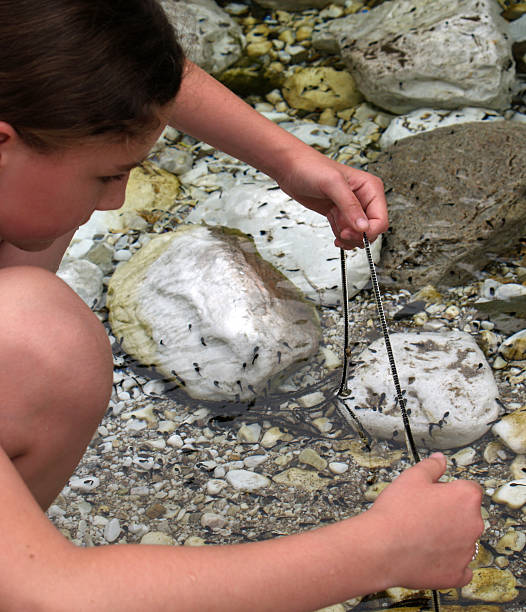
(50,333)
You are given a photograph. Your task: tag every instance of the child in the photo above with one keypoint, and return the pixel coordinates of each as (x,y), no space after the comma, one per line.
(86,87)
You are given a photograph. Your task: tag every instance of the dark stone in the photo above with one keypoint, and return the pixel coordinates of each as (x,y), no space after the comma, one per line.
(457,200)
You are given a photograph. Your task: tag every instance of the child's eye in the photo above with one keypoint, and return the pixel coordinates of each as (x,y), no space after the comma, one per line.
(111,179)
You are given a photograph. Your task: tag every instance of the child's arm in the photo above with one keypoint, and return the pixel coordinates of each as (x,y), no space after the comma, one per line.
(419,533)
(352,200)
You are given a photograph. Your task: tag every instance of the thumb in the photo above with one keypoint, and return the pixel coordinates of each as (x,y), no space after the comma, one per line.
(432,468)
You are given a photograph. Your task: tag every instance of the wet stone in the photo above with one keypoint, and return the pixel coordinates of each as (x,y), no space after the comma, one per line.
(513,494)
(511,429)
(311,457)
(491,585)
(245,480)
(301,479)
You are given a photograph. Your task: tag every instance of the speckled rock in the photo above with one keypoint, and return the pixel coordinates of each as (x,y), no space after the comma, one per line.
(460,186)
(297,241)
(409,54)
(491,585)
(450,389)
(210,314)
(209,36)
(511,429)
(321,88)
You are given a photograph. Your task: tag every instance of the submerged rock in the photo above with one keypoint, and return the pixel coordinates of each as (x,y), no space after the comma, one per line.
(456,201)
(320,88)
(409,54)
(450,389)
(491,585)
(427,119)
(511,429)
(209,36)
(208,312)
(297,241)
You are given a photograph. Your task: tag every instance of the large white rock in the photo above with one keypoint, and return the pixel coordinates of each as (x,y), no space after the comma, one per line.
(450,389)
(427,119)
(209,36)
(297,241)
(409,54)
(203,307)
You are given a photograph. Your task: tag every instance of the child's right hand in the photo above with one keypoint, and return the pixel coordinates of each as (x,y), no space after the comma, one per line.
(430,528)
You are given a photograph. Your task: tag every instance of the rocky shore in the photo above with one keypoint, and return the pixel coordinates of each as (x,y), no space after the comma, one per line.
(171,468)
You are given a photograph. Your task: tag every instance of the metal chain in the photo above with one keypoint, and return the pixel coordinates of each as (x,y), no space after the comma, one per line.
(344,391)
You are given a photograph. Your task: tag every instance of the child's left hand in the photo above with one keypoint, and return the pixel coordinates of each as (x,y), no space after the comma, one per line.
(352,200)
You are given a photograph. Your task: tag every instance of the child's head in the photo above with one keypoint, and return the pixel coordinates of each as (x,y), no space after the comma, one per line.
(73,69)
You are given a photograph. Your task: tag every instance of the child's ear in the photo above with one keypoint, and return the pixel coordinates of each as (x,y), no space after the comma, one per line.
(8,137)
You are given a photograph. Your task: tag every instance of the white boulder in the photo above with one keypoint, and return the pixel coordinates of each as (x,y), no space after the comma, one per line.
(409,54)
(297,241)
(450,389)
(208,312)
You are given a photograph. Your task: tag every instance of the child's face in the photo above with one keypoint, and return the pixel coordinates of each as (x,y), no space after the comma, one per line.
(44,196)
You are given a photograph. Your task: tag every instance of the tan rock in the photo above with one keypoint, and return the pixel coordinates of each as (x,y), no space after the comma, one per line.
(511,542)
(512,430)
(320,88)
(371,459)
(311,457)
(150,192)
(491,585)
(301,479)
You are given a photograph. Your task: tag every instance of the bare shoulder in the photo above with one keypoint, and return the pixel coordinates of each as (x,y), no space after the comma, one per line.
(29,541)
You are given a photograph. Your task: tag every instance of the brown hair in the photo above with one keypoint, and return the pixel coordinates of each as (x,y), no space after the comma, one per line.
(71,69)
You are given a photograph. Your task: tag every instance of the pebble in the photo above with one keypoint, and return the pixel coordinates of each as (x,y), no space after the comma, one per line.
(272,436)
(215,486)
(158,538)
(249,434)
(243,480)
(518,467)
(311,399)
(311,457)
(211,520)
(493,451)
(86,484)
(511,542)
(511,429)
(252,461)
(513,494)
(112,530)
(464,457)
(514,348)
(175,441)
(338,467)
(374,491)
